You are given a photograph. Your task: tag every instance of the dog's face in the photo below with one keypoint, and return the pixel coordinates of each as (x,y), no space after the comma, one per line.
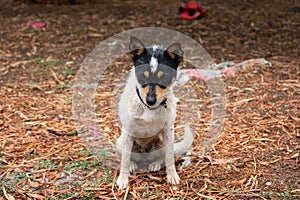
(155,69)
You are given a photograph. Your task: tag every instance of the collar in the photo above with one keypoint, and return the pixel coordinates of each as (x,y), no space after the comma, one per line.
(163,103)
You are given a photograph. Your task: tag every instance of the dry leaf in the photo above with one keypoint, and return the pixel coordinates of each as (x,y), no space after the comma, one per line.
(37,196)
(7,196)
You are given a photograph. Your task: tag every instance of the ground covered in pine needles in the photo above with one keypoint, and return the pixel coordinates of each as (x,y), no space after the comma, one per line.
(256,156)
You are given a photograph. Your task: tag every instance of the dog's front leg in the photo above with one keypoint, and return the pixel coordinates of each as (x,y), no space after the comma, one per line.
(123,178)
(172,175)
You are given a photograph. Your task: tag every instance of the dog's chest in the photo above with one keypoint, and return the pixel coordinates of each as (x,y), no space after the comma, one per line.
(147,123)
(146,117)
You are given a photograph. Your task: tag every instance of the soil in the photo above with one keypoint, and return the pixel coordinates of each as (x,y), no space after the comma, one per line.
(257,155)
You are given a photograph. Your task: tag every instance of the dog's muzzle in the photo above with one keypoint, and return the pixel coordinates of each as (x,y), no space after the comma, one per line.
(151,96)
(151,100)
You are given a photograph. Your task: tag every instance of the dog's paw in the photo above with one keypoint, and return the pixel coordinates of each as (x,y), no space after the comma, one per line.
(123,181)
(173,178)
(155,166)
(133,166)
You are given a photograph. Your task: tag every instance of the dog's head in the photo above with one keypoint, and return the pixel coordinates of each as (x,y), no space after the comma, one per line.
(155,69)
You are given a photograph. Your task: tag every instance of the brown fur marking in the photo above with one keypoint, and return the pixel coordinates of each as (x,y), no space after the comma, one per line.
(159,74)
(160,93)
(140,51)
(146,74)
(171,54)
(145,92)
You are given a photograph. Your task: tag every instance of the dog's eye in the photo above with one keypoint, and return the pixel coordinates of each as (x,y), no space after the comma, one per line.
(143,86)
(162,86)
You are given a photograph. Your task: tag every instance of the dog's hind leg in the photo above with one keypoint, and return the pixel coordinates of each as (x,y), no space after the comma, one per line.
(157,160)
(156,165)
(133,166)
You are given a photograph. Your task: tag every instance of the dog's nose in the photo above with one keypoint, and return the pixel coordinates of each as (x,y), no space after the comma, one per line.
(151,96)
(150,100)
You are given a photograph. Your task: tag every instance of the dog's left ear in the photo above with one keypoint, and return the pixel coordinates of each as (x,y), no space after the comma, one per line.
(175,51)
(136,47)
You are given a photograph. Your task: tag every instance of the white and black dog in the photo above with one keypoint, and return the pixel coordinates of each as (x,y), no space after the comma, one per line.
(147,111)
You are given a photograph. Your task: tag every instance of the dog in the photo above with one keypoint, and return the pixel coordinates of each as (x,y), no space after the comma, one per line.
(147,111)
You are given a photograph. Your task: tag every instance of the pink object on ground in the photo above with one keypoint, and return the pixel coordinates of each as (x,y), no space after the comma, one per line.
(93,128)
(195,73)
(230,71)
(36,24)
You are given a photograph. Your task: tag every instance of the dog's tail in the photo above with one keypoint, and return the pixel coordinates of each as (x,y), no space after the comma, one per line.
(184,145)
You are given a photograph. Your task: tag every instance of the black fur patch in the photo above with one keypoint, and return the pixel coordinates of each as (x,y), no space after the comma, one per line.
(168,61)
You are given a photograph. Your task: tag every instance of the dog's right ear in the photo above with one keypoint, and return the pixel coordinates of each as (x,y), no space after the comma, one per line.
(136,47)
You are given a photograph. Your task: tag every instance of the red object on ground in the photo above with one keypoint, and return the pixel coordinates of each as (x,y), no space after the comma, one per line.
(191,10)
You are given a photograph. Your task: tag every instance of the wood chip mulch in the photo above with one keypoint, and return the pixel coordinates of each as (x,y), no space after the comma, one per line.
(256,157)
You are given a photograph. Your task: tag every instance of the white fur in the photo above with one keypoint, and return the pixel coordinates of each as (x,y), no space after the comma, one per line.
(154,61)
(153,64)
(138,121)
